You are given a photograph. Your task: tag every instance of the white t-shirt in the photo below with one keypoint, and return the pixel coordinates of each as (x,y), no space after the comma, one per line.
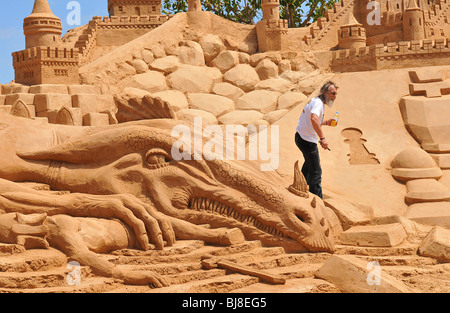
(305,128)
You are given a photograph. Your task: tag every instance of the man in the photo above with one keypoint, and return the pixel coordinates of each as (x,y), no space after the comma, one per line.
(309,134)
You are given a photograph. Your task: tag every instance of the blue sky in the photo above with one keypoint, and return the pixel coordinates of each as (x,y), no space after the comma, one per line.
(11,25)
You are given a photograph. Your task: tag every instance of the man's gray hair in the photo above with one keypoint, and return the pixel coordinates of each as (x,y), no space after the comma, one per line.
(325,88)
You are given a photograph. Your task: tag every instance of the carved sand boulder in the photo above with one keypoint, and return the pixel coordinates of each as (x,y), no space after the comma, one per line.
(243,76)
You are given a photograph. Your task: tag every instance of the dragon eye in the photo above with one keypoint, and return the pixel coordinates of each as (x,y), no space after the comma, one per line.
(157,158)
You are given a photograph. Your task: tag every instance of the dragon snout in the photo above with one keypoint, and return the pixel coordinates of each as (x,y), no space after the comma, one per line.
(313,228)
(316,234)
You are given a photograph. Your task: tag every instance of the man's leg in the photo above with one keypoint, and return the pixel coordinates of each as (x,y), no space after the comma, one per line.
(315,170)
(301,146)
(311,168)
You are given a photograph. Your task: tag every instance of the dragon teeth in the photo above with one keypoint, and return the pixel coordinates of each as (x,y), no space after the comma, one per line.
(205,204)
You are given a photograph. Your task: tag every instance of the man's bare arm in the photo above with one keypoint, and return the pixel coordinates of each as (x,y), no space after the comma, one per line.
(315,121)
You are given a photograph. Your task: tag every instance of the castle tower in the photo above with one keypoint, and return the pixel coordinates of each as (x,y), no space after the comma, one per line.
(133,7)
(413,22)
(42,27)
(271,31)
(45,60)
(194,5)
(351,34)
(271,9)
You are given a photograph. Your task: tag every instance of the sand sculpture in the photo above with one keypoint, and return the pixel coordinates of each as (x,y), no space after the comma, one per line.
(88,171)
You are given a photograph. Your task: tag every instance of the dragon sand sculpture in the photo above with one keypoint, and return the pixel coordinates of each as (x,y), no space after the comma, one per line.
(123,180)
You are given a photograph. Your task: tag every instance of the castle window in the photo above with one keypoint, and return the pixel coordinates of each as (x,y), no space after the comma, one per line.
(61,72)
(420,21)
(410,22)
(137,10)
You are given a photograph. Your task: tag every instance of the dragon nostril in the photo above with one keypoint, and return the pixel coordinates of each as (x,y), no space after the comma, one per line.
(327,232)
(322,222)
(302,218)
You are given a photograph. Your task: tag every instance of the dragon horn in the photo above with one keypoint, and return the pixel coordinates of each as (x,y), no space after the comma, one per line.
(299,187)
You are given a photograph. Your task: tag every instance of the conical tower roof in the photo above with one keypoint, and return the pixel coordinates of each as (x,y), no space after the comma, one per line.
(42,27)
(351,21)
(412,5)
(42,9)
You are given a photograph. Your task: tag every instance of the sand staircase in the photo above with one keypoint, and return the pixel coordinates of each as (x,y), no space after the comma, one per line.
(87,41)
(47,271)
(326,27)
(437,14)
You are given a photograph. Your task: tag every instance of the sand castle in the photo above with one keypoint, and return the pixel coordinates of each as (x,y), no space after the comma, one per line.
(88,172)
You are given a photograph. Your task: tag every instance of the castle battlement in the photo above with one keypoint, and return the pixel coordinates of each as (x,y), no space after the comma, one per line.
(351,32)
(401,54)
(391,18)
(277,25)
(46,54)
(46,65)
(131,20)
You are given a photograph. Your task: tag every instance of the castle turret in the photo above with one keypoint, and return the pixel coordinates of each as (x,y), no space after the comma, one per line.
(133,7)
(271,30)
(42,27)
(194,5)
(45,60)
(351,34)
(271,9)
(413,22)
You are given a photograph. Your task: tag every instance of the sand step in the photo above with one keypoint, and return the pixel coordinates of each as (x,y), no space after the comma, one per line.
(257,253)
(8,249)
(434,278)
(221,284)
(284,260)
(194,276)
(39,279)
(177,273)
(165,268)
(180,247)
(156,257)
(88,285)
(377,251)
(407,260)
(33,260)
(296,285)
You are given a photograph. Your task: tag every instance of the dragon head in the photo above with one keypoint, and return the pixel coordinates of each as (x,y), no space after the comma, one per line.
(137,158)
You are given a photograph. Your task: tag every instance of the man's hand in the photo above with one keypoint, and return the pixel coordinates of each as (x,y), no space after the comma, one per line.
(327,122)
(323,142)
